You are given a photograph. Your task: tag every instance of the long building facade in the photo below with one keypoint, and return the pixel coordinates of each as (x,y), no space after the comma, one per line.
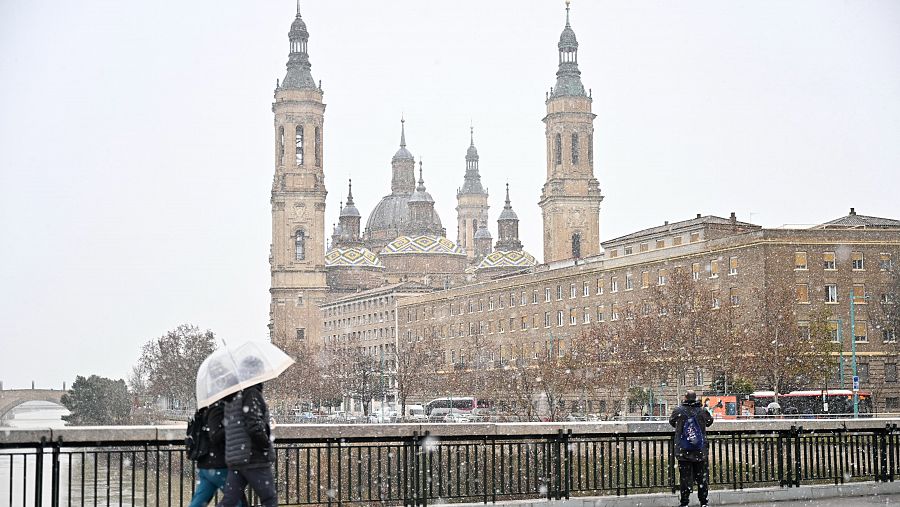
(400,278)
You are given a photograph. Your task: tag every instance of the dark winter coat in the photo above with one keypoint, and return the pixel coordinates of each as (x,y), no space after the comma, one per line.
(215,418)
(247,432)
(677,420)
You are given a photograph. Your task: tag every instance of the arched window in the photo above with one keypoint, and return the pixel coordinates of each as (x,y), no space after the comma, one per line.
(298,138)
(318,147)
(575,148)
(576,245)
(474,226)
(591,148)
(557,148)
(300,245)
(281,145)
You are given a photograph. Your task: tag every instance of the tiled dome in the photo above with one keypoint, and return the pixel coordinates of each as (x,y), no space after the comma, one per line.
(352,257)
(506,258)
(425,244)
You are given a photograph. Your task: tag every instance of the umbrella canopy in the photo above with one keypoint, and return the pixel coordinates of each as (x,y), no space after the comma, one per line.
(235,367)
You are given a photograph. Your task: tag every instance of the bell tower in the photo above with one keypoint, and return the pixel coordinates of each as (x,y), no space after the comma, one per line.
(297,252)
(570,199)
(472,201)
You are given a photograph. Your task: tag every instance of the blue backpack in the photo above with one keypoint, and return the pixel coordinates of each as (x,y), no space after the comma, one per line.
(692,437)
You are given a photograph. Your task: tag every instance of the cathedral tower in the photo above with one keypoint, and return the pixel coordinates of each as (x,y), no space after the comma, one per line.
(570,199)
(472,201)
(508,227)
(297,255)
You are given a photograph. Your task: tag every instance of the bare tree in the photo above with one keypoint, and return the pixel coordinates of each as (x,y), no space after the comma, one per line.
(168,365)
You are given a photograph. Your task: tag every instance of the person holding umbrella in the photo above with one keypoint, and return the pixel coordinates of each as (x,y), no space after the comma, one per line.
(235,375)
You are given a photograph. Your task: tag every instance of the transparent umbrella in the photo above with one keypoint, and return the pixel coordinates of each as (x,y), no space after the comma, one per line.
(235,367)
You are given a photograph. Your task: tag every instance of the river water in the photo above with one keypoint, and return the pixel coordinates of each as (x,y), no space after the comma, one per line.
(125,476)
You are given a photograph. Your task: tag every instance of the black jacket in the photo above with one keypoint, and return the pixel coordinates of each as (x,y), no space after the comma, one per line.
(215,416)
(247,432)
(677,420)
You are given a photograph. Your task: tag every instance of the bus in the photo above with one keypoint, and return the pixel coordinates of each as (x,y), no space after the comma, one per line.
(457,404)
(819,402)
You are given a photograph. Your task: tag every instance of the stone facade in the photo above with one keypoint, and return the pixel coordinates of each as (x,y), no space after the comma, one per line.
(517,316)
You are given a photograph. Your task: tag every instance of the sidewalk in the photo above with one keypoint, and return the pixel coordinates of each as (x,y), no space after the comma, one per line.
(845,495)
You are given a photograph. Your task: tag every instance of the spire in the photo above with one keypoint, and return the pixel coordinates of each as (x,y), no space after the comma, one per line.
(349,192)
(421,186)
(403,153)
(508,213)
(568,77)
(298,67)
(350,210)
(472,184)
(402,132)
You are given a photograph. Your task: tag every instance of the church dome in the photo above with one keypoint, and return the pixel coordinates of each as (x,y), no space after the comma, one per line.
(350,210)
(298,28)
(358,257)
(402,154)
(567,38)
(483,233)
(506,258)
(424,244)
(390,214)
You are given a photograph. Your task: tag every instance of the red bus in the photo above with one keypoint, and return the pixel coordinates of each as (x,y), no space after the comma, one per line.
(813,402)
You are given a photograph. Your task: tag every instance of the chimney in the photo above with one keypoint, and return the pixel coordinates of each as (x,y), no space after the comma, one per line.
(666,223)
(733,218)
(852,212)
(698,215)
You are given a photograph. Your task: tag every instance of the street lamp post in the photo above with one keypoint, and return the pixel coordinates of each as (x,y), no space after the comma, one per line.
(840,338)
(853,353)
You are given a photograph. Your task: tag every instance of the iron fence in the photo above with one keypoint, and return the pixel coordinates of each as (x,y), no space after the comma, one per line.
(418,465)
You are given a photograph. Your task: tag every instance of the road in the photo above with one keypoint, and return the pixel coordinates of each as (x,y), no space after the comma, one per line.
(891,499)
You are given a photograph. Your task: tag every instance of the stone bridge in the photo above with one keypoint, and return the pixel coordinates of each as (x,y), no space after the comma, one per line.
(12,398)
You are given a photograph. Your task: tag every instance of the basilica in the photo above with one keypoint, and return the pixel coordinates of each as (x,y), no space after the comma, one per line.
(404,240)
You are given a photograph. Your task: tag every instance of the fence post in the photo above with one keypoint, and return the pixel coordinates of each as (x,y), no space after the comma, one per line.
(672,464)
(797,464)
(38,474)
(54,481)
(780,451)
(567,445)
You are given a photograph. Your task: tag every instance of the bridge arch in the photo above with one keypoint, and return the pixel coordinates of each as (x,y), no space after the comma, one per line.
(10,399)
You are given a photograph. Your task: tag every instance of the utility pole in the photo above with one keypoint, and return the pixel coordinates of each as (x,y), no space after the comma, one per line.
(853,353)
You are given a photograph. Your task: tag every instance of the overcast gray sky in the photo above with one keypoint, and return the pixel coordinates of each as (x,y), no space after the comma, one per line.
(136,138)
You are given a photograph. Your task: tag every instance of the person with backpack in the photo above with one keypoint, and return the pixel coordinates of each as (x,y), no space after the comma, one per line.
(206,446)
(690,421)
(249,452)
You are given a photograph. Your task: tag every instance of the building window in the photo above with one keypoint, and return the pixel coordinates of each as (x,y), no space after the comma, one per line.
(512,300)
(301,334)
(300,245)
(833,331)
(599,286)
(831,294)
(546,319)
(859,294)
(585,289)
(500,302)
(512,324)
(828,261)
(732,266)
(500,326)
(298,143)
(573,317)
(575,148)
(716,303)
(698,377)
(629,250)
(559,292)
(524,322)
(734,297)
(885,263)
(803,293)
(281,145)
(892,404)
(523,299)
(557,149)
(800,260)
(629,281)
(613,253)
(591,148)
(695,237)
(615,312)
(534,296)
(862,370)
(888,336)
(576,245)
(490,304)
(662,276)
(559,318)
(318,147)
(714,268)
(860,333)
(695,271)
(857,258)
(586,316)
(803,330)
(600,313)
(547,294)
(660,243)
(676,241)
(572,291)
(535,321)
(614,284)
(644,247)
(890,372)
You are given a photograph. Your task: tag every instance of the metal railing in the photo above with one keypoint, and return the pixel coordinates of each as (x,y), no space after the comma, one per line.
(413,464)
